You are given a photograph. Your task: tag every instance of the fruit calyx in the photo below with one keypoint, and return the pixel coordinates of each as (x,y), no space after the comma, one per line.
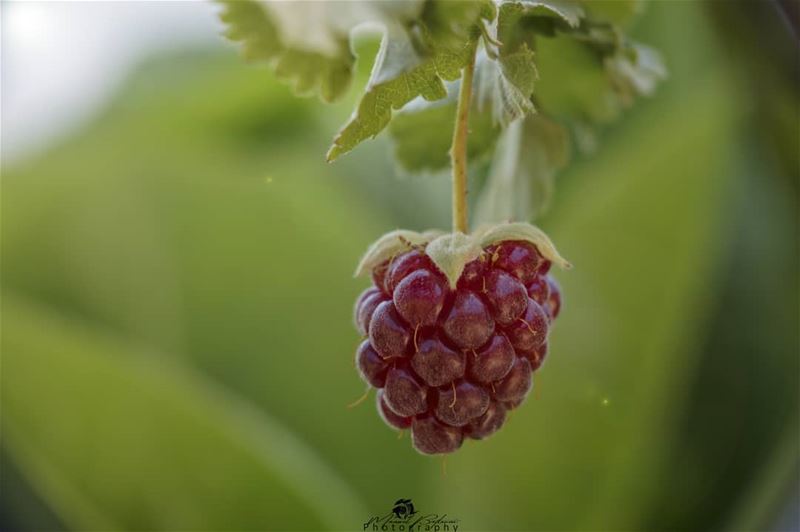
(450,252)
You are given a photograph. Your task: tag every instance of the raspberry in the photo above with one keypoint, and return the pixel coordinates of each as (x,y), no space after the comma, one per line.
(530,330)
(539,290)
(365,308)
(387,332)
(516,384)
(537,356)
(472,276)
(461,403)
(451,355)
(372,367)
(521,259)
(554,300)
(429,436)
(389,417)
(544,268)
(508,296)
(405,264)
(405,395)
(419,297)
(492,361)
(510,405)
(379,275)
(469,323)
(437,364)
(489,423)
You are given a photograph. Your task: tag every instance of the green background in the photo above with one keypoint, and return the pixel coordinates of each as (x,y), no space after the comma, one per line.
(177,342)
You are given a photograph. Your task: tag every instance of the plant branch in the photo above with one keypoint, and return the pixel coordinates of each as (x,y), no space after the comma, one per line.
(458,150)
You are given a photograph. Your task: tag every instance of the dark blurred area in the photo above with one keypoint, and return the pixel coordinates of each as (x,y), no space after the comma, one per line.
(177,286)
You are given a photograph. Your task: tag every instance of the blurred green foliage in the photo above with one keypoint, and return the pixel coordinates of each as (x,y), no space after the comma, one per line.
(177,346)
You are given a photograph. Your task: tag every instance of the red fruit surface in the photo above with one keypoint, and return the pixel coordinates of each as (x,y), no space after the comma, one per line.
(487,424)
(379,275)
(366,304)
(472,276)
(389,417)
(516,385)
(429,436)
(537,356)
(419,297)
(492,361)
(530,330)
(388,334)
(404,393)
(436,363)
(554,300)
(461,403)
(539,290)
(507,295)
(372,367)
(469,323)
(405,264)
(520,259)
(450,363)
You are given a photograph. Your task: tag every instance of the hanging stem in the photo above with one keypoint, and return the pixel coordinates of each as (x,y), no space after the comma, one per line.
(458,151)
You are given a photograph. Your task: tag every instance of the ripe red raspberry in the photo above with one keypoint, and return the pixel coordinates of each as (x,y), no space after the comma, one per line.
(489,423)
(451,355)
(518,258)
(366,304)
(389,417)
(469,323)
(554,300)
(538,290)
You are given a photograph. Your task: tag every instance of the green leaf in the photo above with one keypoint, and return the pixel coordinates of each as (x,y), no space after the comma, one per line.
(451,22)
(117,437)
(422,131)
(589,80)
(401,73)
(636,71)
(391,87)
(505,86)
(520,181)
(618,12)
(323,63)
(569,11)
(505,79)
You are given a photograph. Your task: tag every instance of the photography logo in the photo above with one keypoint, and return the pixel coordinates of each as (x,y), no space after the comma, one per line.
(405,518)
(403,508)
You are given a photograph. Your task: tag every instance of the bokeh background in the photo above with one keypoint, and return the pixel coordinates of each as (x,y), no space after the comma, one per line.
(176,292)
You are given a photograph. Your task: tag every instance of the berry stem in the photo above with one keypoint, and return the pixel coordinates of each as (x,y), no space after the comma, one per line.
(458,150)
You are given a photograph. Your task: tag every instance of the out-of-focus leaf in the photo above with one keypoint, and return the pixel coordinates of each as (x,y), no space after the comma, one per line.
(144,444)
(581,86)
(520,181)
(619,12)
(308,43)
(422,132)
(636,72)
(451,22)
(580,454)
(570,11)
(505,77)
(399,76)
(321,62)
(503,88)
